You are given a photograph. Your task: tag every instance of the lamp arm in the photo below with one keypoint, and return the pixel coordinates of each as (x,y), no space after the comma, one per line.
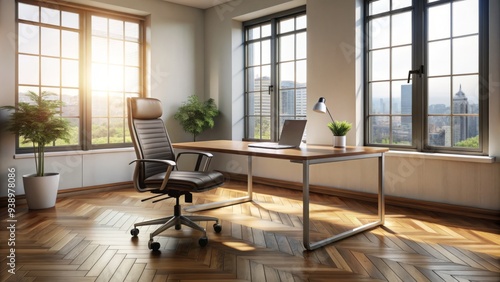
(330,114)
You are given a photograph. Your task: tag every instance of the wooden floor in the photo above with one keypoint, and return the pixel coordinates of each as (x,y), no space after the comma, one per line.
(86,238)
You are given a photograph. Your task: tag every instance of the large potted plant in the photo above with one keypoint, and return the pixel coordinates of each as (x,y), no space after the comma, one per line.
(339,130)
(196,116)
(39,122)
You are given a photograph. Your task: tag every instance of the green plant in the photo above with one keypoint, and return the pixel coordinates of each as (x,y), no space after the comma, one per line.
(196,116)
(39,122)
(339,128)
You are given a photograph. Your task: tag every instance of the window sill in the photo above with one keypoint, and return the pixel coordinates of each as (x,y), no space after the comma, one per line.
(443,157)
(76,153)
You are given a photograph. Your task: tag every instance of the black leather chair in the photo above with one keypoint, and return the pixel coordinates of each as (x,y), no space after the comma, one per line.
(156,170)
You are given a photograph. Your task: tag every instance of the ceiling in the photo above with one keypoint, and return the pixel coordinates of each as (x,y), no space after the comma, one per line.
(201,4)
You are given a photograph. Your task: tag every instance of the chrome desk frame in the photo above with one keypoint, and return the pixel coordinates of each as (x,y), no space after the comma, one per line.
(306,163)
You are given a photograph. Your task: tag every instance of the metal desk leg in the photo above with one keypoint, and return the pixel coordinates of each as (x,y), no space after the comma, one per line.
(381,210)
(230,202)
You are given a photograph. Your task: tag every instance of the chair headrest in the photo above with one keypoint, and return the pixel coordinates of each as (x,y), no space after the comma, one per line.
(146,108)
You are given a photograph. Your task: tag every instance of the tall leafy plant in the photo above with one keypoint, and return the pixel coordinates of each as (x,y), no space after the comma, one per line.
(339,128)
(40,123)
(196,116)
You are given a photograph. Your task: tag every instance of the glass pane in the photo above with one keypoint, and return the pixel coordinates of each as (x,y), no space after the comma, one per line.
(131,31)
(28,12)
(266,51)
(115,78)
(74,131)
(23,93)
(266,104)
(465,17)
(265,78)
(50,42)
(287,75)
(287,102)
(254,54)
(301,79)
(266,30)
(301,22)
(287,48)
(265,128)
(116,105)
(28,41)
(301,46)
(439,95)
(466,55)
(116,130)
(301,101)
(70,73)
(401,62)
(469,86)
(99,77)
(379,63)
(401,29)
(398,4)
(116,29)
(131,54)
(132,79)
(116,56)
(254,103)
(28,67)
(254,33)
(70,44)
(71,20)
(50,72)
(379,129)
(99,50)
(99,26)
(50,16)
(401,97)
(379,98)
(439,22)
(71,102)
(253,81)
(377,7)
(401,130)
(466,131)
(439,129)
(379,33)
(99,104)
(439,60)
(286,25)
(99,131)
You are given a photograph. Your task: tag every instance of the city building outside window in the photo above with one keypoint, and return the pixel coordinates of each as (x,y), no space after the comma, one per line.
(426,69)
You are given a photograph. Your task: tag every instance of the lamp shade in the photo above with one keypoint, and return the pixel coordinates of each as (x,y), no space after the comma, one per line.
(320,106)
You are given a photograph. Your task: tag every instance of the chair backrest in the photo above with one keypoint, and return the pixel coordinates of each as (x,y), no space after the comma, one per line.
(149,135)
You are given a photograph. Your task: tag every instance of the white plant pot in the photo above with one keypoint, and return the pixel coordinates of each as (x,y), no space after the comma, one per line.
(41,191)
(339,141)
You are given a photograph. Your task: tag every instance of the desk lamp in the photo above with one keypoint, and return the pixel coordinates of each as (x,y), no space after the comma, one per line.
(321,107)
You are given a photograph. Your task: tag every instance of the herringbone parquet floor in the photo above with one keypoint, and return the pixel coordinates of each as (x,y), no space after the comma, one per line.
(86,238)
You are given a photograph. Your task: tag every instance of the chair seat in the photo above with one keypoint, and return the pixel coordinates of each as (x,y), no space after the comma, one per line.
(190,181)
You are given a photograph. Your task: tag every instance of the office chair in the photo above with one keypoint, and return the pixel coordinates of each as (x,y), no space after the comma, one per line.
(156,169)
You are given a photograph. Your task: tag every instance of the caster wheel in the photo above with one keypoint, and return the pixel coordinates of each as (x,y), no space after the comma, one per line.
(155,246)
(177,227)
(134,232)
(203,241)
(217,227)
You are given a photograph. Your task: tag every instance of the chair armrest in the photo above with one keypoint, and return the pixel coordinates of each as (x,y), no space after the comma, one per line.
(200,166)
(170,165)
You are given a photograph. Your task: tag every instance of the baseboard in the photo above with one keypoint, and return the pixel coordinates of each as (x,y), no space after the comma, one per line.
(389,200)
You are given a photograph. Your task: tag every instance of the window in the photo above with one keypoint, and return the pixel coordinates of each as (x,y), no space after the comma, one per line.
(92,62)
(426,71)
(275,73)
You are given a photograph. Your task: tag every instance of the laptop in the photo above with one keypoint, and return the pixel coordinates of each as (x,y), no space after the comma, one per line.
(291,136)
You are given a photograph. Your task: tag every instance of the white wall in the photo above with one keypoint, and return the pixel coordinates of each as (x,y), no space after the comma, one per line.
(175,50)
(335,72)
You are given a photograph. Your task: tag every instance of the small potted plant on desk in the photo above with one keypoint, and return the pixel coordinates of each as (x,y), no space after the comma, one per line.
(39,122)
(339,130)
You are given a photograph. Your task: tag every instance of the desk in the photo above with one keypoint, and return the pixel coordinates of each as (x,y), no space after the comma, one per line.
(305,155)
